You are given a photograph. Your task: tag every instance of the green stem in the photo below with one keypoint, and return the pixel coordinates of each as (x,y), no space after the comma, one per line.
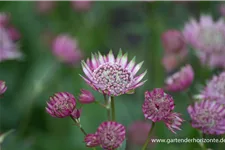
(149,137)
(107,103)
(81,129)
(113,109)
(202,145)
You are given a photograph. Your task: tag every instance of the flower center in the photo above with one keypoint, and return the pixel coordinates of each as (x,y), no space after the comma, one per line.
(160,106)
(212,37)
(112,78)
(63,106)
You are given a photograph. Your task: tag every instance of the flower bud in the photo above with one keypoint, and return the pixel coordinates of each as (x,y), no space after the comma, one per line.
(91,140)
(76,113)
(4,19)
(81,5)
(138,132)
(3,87)
(66,49)
(45,7)
(86,97)
(180,80)
(172,41)
(61,105)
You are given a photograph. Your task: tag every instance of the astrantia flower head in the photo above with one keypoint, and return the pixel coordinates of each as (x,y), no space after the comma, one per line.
(110,135)
(3,87)
(112,76)
(86,97)
(157,105)
(138,132)
(208,38)
(215,89)
(173,41)
(173,121)
(61,105)
(181,80)
(8,49)
(66,49)
(91,140)
(208,116)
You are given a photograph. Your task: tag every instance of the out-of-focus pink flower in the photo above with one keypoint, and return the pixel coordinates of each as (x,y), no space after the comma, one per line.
(208,116)
(157,105)
(137,132)
(171,61)
(208,39)
(112,76)
(222,9)
(61,105)
(215,89)
(4,19)
(8,49)
(13,33)
(91,140)
(3,87)
(66,49)
(181,80)
(173,41)
(45,7)
(86,97)
(173,121)
(81,5)
(110,135)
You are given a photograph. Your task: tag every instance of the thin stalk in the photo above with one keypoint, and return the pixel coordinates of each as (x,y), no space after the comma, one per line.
(202,145)
(149,137)
(82,130)
(107,102)
(113,109)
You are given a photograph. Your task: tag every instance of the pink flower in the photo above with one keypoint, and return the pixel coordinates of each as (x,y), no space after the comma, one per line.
(61,105)
(112,76)
(3,87)
(4,19)
(13,33)
(45,6)
(91,140)
(86,97)
(8,49)
(215,89)
(171,61)
(81,5)
(138,132)
(173,121)
(110,135)
(157,105)
(208,38)
(208,116)
(181,80)
(66,49)
(173,41)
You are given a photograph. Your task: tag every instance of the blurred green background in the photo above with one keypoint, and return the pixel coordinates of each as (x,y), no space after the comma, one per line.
(135,27)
